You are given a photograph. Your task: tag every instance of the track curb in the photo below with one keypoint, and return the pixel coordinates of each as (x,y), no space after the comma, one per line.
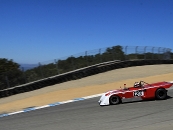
(48,105)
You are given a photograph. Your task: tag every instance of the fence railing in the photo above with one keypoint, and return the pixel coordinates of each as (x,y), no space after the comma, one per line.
(80,60)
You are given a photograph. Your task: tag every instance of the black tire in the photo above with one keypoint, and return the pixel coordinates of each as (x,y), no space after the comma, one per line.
(114,100)
(161,94)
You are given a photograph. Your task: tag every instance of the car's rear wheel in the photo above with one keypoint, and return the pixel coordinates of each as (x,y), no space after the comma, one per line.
(114,99)
(161,94)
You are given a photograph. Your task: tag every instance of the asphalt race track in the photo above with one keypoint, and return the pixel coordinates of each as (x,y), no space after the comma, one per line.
(88,115)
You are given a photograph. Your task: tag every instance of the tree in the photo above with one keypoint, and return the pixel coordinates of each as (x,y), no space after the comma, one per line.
(7,65)
(10,73)
(113,53)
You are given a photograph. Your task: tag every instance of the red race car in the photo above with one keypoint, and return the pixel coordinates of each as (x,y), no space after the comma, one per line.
(141,90)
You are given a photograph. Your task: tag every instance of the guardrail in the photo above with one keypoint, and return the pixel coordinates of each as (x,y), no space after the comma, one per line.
(77,74)
(88,58)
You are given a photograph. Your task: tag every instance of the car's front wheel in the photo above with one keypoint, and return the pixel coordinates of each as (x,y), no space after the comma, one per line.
(114,99)
(161,94)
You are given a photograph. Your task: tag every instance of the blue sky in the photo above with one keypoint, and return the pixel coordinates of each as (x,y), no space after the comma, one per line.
(33,31)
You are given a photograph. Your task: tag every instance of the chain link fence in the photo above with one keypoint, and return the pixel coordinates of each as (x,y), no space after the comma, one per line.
(65,64)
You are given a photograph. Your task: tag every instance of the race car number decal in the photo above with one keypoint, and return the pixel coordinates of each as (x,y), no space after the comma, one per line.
(138,93)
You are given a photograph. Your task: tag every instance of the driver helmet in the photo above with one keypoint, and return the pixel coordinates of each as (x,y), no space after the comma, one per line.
(136,85)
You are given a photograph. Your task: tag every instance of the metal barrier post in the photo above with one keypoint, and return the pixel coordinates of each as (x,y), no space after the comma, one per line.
(24,76)
(113,57)
(56,63)
(159,53)
(126,58)
(7,81)
(145,52)
(136,50)
(153,53)
(40,70)
(86,58)
(100,56)
(72,62)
